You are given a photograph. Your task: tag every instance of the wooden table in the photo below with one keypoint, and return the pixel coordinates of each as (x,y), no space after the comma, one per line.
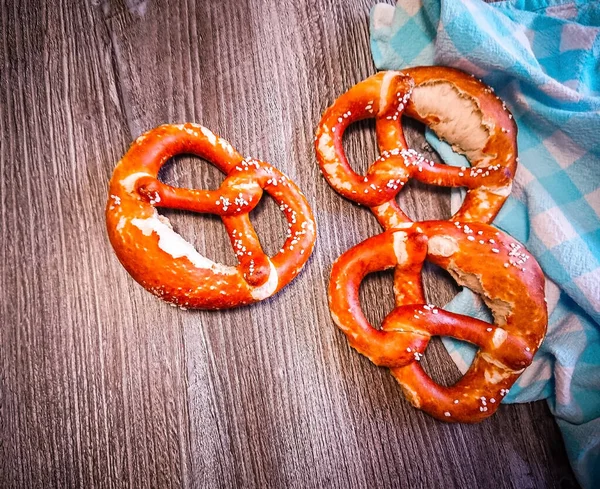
(103,385)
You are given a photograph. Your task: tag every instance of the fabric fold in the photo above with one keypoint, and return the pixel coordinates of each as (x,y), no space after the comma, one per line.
(542,57)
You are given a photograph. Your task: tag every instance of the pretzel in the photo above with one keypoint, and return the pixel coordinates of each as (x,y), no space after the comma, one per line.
(170,267)
(475,255)
(464,112)
(457,107)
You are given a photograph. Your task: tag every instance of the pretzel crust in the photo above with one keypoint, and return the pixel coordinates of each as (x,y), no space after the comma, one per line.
(472,119)
(171,268)
(479,257)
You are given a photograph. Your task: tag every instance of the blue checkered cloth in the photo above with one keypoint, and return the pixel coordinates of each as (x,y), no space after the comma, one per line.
(543,59)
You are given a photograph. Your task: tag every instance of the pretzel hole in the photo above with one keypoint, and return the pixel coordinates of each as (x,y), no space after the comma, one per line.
(497,309)
(360,145)
(270,224)
(205,232)
(438,285)
(422,202)
(191,171)
(438,364)
(376,296)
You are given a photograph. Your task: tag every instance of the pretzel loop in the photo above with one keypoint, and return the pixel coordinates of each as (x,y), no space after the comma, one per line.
(171,268)
(384,348)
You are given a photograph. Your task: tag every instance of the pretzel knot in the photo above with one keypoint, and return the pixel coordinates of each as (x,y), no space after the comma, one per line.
(475,255)
(170,267)
(471,118)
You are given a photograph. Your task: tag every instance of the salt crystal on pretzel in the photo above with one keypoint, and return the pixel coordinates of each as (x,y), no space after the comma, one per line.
(169,266)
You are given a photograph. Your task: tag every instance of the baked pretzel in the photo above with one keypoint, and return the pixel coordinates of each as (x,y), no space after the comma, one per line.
(170,267)
(471,118)
(477,124)
(478,257)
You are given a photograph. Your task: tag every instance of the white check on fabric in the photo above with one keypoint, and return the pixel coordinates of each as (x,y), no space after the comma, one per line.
(543,59)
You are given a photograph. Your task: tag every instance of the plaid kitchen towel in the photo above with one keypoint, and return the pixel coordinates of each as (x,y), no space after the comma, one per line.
(543,59)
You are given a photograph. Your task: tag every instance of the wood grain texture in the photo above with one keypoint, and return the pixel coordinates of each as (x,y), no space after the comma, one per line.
(102,385)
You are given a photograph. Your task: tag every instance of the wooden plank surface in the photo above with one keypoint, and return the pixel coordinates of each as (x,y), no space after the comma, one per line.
(102,385)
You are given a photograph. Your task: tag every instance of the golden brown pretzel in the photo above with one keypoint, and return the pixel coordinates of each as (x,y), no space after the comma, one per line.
(459,108)
(466,113)
(171,268)
(479,257)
